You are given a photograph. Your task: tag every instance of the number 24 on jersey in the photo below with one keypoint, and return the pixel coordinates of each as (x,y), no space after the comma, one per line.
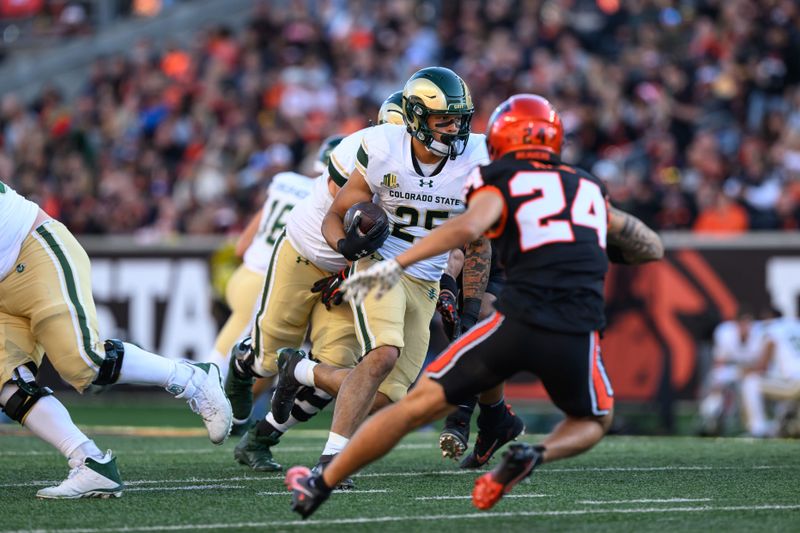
(588,209)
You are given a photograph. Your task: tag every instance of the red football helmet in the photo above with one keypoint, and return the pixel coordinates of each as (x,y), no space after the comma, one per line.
(524,122)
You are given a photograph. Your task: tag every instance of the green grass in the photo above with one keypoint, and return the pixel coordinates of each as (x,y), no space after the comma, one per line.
(687,484)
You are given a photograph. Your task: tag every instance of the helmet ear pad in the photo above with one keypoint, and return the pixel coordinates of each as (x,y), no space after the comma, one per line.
(416,115)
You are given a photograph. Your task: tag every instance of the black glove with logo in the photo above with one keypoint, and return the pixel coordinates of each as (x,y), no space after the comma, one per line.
(330,288)
(356,245)
(447,306)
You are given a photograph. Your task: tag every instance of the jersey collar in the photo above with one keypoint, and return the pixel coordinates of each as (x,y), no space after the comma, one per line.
(418,169)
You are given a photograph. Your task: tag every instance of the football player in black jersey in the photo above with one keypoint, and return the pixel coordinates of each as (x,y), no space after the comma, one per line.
(550,224)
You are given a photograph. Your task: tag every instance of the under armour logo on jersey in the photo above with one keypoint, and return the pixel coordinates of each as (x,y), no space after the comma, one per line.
(432,293)
(302,260)
(423,183)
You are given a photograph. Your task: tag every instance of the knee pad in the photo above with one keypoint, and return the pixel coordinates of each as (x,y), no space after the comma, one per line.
(112,363)
(27,394)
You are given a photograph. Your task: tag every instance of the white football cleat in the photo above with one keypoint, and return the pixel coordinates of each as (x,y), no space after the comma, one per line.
(91,478)
(206,397)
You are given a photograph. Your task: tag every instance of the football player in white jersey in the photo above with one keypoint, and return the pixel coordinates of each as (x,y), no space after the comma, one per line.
(46,305)
(255,247)
(301,259)
(737,346)
(775,376)
(417,174)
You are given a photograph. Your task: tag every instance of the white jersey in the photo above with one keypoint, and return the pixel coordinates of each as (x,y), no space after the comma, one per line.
(304,227)
(785,333)
(286,190)
(17,215)
(729,347)
(414,202)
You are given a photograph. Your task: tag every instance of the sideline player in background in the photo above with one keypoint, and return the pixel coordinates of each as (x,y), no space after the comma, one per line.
(774,376)
(737,346)
(417,174)
(46,305)
(550,223)
(255,247)
(301,259)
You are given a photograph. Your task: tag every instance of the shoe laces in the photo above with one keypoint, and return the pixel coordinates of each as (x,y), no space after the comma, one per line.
(198,405)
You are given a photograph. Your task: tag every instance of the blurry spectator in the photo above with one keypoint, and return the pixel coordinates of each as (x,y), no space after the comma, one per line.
(720,214)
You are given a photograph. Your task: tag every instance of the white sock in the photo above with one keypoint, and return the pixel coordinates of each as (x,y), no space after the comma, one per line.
(283,428)
(49,420)
(141,367)
(304,372)
(753,404)
(87,449)
(221,361)
(335,444)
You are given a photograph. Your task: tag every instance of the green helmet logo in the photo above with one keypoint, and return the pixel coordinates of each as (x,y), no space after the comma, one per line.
(438,91)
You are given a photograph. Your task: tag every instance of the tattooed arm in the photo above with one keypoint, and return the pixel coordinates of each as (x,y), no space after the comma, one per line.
(477,264)
(630,241)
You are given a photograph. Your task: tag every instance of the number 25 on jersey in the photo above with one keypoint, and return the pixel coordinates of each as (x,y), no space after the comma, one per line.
(588,209)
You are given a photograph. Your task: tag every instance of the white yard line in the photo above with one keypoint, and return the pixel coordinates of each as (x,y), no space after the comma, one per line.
(187,487)
(664,500)
(271,525)
(351,491)
(204,450)
(422,473)
(470,497)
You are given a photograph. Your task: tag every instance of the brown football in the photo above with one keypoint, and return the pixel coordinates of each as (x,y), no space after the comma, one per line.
(370,214)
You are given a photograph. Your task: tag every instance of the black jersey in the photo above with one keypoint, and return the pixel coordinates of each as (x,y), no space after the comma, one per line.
(551,240)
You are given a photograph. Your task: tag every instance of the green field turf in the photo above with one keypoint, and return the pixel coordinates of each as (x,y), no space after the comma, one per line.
(625,484)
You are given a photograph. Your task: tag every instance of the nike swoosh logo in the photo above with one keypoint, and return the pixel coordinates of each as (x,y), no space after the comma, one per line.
(485,457)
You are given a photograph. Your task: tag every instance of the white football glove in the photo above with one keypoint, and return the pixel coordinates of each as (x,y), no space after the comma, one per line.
(381,277)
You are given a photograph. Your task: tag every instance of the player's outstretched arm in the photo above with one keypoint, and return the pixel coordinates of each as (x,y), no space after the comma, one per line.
(354,191)
(634,241)
(477,265)
(485,209)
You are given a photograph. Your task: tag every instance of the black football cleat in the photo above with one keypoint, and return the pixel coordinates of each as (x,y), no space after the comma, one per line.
(239,383)
(287,387)
(492,439)
(324,460)
(454,438)
(517,464)
(306,492)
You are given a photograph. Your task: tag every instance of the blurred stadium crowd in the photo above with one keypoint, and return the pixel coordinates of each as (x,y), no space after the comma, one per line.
(689,109)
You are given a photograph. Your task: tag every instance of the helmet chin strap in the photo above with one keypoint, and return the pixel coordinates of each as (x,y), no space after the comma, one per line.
(439,148)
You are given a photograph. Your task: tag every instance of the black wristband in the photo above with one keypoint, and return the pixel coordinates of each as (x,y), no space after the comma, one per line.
(448,283)
(340,245)
(470,311)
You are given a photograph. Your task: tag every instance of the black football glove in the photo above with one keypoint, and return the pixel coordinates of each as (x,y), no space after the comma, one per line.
(469,313)
(447,306)
(330,288)
(356,245)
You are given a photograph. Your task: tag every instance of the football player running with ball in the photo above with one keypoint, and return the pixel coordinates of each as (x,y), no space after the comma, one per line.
(46,305)
(550,224)
(417,174)
(300,290)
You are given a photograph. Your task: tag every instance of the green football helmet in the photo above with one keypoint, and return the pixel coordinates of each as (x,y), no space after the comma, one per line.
(438,91)
(391,110)
(325,149)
